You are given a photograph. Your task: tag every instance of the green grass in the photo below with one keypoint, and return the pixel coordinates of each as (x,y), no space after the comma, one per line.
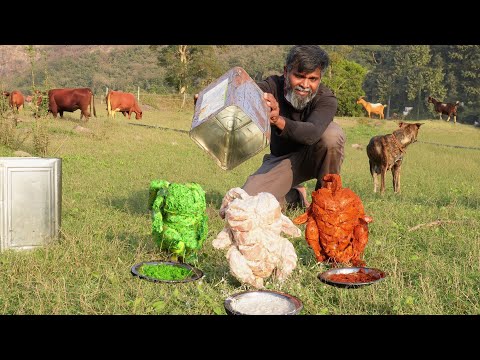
(106,227)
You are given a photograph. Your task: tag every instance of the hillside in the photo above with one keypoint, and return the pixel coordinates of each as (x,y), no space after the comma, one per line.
(123,67)
(14,58)
(116,66)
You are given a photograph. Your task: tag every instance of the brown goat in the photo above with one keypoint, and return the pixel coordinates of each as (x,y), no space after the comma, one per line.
(445,108)
(372,108)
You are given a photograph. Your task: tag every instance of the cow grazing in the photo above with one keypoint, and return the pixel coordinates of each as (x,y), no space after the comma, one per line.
(124,103)
(16,99)
(445,108)
(70,99)
(372,108)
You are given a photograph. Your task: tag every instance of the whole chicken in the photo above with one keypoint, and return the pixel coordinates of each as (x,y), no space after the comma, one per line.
(337,227)
(253,225)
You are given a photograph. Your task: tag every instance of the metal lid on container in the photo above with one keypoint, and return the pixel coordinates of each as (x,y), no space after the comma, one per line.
(230,121)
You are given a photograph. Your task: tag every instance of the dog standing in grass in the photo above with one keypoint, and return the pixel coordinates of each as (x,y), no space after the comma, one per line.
(386,152)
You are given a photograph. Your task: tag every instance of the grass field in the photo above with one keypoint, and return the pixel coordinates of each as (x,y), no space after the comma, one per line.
(106,227)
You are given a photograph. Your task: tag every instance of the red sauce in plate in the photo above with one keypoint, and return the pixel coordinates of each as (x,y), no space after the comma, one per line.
(357,277)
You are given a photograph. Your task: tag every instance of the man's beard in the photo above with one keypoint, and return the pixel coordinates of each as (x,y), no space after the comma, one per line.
(297,101)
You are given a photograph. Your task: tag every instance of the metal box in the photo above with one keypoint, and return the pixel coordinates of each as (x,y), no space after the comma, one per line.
(231,119)
(30,201)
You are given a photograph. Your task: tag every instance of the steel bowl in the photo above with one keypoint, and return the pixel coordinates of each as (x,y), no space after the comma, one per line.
(262,302)
(196,273)
(326,276)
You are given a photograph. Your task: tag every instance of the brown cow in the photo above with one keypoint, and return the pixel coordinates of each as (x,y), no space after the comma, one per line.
(123,102)
(39,97)
(70,99)
(16,99)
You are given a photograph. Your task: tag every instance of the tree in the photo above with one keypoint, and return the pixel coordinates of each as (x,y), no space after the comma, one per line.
(382,83)
(40,110)
(369,56)
(412,62)
(463,66)
(189,68)
(259,61)
(407,77)
(32,57)
(345,79)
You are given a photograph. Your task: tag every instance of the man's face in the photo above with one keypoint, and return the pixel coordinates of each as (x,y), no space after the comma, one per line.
(300,87)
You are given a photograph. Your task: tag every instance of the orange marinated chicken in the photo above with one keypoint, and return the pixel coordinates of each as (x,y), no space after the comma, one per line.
(337,227)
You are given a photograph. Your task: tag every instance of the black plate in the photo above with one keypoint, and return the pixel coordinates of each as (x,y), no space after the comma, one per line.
(325,276)
(258,302)
(197,273)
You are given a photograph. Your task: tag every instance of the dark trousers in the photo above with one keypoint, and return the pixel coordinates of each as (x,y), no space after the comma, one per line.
(279,174)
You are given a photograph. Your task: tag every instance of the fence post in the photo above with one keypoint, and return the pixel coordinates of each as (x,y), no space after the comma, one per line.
(138,93)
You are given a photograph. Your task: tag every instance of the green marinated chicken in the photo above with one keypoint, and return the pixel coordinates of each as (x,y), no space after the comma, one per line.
(179,219)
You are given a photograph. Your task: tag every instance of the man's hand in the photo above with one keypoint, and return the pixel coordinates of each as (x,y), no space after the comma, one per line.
(275,118)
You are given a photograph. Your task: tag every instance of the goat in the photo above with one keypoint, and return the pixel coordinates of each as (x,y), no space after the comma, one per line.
(445,108)
(372,108)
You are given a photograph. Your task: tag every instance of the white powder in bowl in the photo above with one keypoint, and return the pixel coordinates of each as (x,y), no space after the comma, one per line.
(262,303)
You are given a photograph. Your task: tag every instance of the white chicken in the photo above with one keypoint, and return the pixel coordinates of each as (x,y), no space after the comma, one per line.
(253,225)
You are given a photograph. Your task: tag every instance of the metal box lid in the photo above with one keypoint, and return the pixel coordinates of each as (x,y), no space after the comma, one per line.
(30,201)
(230,121)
